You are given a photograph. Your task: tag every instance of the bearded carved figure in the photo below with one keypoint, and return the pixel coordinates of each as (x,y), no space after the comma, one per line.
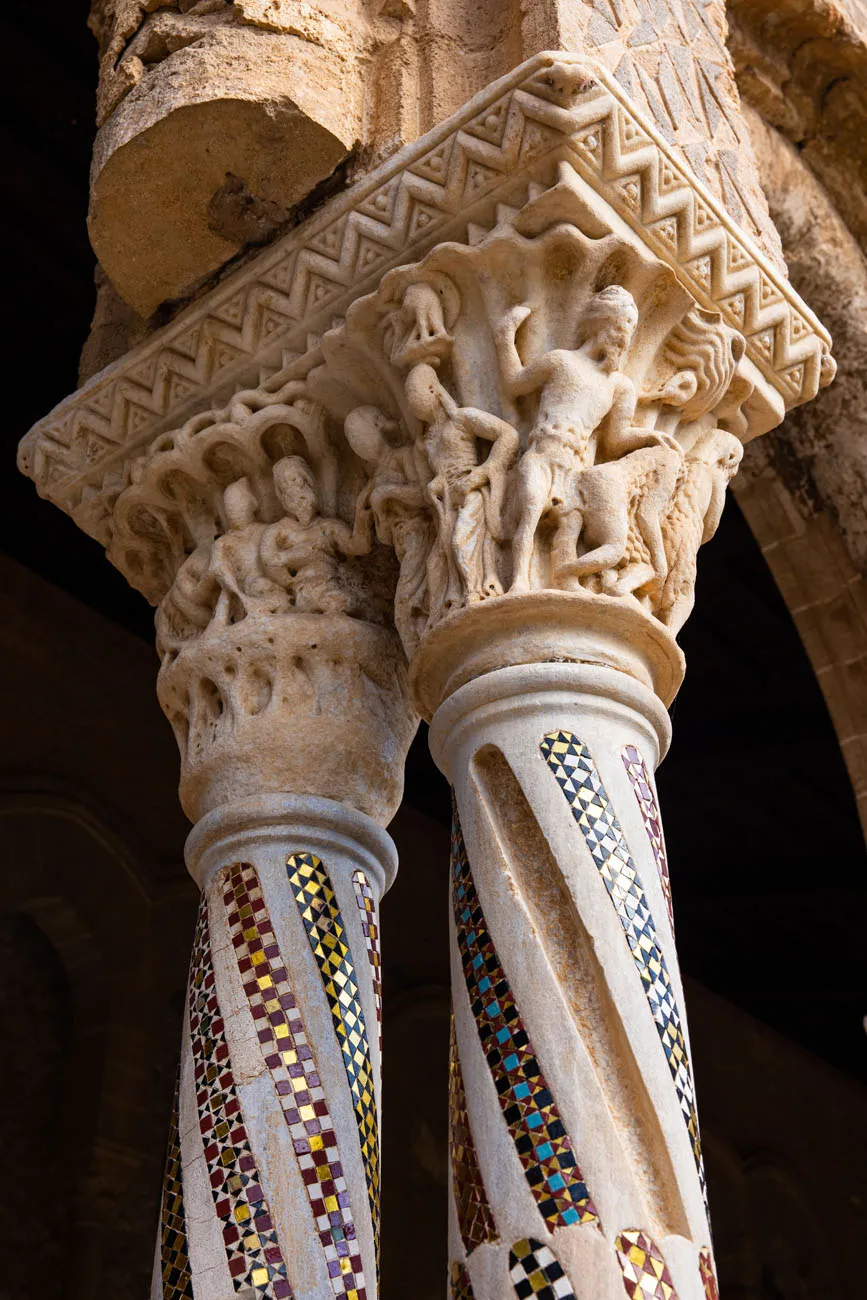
(546,409)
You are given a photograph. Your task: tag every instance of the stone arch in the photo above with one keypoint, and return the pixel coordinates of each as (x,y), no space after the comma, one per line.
(81,883)
(803,487)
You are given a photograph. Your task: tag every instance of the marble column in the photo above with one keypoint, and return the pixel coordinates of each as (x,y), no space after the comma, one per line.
(287,690)
(286,686)
(273,1175)
(551,413)
(448,448)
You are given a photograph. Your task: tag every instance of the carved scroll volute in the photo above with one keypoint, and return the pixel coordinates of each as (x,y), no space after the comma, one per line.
(549,422)
(250,528)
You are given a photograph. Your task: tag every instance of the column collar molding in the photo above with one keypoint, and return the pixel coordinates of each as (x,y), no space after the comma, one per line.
(456,183)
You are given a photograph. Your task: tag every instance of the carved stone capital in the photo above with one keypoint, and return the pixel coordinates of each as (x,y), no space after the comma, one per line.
(249,528)
(522,356)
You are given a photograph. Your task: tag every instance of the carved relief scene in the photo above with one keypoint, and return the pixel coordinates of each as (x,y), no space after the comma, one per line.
(251,530)
(545,408)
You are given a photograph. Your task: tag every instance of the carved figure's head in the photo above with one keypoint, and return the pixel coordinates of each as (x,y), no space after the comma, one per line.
(296,490)
(720,450)
(423,393)
(369,432)
(729,453)
(562,83)
(608,324)
(704,353)
(239,504)
(419,330)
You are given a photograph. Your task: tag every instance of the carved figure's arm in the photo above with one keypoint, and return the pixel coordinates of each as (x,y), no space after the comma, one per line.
(492,429)
(518,378)
(403,494)
(350,541)
(621,435)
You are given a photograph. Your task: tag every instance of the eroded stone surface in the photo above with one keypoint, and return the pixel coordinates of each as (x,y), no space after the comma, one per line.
(195,96)
(802,66)
(275,93)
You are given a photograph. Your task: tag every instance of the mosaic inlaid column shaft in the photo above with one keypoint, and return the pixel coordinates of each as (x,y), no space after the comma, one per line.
(575,1149)
(272,1179)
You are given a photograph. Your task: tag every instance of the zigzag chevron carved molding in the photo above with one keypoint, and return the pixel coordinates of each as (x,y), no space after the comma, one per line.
(466,174)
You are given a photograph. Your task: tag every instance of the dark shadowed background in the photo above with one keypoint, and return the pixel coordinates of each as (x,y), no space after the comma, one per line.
(767,856)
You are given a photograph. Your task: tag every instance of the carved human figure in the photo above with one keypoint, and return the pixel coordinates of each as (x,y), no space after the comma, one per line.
(578,389)
(188,606)
(401,511)
(467,494)
(617,509)
(301,552)
(235,563)
(693,519)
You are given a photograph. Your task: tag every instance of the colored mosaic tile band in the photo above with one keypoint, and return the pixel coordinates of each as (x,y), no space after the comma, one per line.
(323,923)
(174,1248)
(639,778)
(366,901)
(645,1272)
(253,1252)
(708,1276)
(460,1286)
(475,1221)
(578,778)
(535,1272)
(532,1115)
(289,1057)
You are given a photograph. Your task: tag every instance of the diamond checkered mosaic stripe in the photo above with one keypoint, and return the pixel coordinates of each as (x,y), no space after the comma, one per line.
(253,1251)
(708,1276)
(541,1141)
(366,901)
(578,778)
(640,781)
(460,1286)
(317,903)
(289,1056)
(535,1272)
(174,1249)
(645,1272)
(475,1221)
